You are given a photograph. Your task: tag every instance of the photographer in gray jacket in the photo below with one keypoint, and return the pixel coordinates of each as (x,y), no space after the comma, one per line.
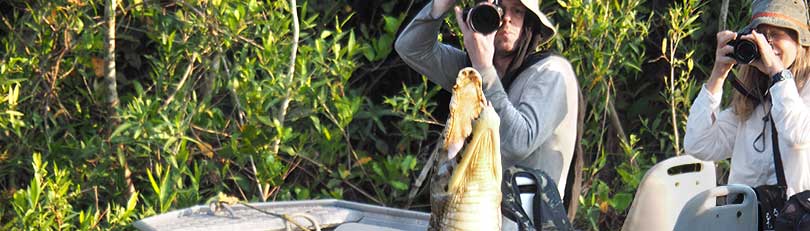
(537,103)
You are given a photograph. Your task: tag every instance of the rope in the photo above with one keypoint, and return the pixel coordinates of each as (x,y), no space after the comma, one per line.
(224,202)
(289,218)
(312,220)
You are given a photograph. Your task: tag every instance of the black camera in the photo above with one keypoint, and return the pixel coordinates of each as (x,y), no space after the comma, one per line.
(484,18)
(745,51)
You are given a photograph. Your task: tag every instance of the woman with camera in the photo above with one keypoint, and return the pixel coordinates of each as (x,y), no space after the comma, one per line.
(772,96)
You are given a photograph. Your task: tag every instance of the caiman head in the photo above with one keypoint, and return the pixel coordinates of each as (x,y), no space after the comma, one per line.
(466,104)
(473,196)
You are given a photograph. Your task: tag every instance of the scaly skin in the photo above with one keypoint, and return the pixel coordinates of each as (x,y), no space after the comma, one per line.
(473,192)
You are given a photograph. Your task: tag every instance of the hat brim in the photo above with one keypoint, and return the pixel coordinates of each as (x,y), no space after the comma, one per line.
(547,29)
(803,35)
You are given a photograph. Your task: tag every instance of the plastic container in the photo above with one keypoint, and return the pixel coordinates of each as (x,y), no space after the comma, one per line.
(702,213)
(665,189)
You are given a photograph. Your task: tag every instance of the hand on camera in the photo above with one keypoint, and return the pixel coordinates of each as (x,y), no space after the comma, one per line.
(723,62)
(768,62)
(480,47)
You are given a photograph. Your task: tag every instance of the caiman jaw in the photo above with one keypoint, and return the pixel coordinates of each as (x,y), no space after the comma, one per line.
(466,104)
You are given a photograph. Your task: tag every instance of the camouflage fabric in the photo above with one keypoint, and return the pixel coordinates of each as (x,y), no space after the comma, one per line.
(549,210)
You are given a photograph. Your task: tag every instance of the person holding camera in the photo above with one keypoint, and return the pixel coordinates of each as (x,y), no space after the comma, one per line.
(537,101)
(771,95)
(535,94)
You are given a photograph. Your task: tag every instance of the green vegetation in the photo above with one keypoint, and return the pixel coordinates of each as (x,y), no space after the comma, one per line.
(207,105)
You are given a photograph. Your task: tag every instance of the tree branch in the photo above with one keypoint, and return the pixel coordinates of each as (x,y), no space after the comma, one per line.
(186,74)
(109,67)
(723,16)
(285,103)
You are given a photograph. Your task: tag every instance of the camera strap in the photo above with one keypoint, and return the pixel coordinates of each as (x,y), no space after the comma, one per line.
(740,88)
(777,155)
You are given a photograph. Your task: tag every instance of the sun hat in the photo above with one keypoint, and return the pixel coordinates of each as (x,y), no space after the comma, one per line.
(547,29)
(790,14)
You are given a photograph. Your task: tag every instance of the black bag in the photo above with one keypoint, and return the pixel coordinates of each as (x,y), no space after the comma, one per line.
(796,213)
(771,200)
(774,212)
(548,209)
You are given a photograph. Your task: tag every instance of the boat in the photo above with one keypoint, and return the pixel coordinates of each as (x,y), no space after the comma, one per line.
(327,214)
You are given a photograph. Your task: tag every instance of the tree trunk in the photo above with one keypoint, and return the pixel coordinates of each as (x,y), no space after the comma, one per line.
(285,103)
(723,16)
(111,90)
(111,99)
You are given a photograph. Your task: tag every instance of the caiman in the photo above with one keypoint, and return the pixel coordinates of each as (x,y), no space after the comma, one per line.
(471,199)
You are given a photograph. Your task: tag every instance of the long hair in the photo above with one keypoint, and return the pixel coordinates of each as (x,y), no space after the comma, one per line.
(757,82)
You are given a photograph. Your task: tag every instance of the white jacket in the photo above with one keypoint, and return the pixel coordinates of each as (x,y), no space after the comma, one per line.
(712,134)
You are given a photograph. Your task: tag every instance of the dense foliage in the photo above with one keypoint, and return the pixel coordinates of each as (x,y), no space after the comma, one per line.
(207,103)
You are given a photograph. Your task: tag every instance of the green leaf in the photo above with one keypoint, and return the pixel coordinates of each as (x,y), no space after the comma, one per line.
(236,14)
(344,173)
(352,45)
(34,191)
(119,129)
(408,164)
(325,34)
(152,181)
(368,52)
(326,134)
(133,201)
(289,150)
(384,46)
(562,3)
(398,185)
(14,113)
(621,201)
(391,24)
(265,120)
(376,168)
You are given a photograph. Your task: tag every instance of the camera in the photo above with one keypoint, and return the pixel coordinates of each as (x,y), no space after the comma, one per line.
(745,51)
(484,18)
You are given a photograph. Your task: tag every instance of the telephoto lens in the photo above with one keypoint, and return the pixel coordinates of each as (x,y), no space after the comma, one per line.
(484,18)
(745,51)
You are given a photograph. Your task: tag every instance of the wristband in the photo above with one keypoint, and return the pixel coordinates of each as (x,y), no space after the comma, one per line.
(781,76)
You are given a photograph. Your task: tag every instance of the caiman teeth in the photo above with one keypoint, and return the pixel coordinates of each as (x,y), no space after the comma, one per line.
(465,107)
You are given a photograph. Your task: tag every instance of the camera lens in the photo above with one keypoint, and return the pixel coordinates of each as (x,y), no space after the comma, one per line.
(745,51)
(484,19)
